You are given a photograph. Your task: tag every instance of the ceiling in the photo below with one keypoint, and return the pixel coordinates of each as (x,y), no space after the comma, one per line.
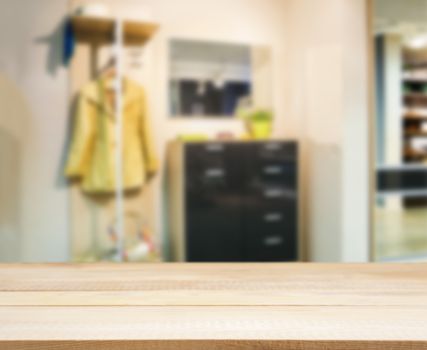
(406,17)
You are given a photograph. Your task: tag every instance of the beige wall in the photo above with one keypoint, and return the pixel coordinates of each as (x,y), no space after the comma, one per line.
(13,117)
(327,106)
(33,115)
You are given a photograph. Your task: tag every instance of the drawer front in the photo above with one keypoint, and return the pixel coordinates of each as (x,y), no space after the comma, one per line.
(271,246)
(206,162)
(276,151)
(271,219)
(209,153)
(212,167)
(214,234)
(271,232)
(276,195)
(213,203)
(271,205)
(270,198)
(275,173)
(274,163)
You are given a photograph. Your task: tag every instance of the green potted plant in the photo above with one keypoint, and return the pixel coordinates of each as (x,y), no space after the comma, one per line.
(258,122)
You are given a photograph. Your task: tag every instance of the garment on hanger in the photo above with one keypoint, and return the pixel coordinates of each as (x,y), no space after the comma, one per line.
(68,42)
(93,146)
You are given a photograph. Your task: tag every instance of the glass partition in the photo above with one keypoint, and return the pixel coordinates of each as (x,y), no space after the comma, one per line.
(400,211)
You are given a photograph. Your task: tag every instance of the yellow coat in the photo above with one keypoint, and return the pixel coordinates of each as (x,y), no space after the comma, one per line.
(92,152)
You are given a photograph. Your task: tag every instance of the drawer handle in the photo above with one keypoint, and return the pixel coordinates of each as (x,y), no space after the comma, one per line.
(214,147)
(272,146)
(272,170)
(273,217)
(273,241)
(214,172)
(273,193)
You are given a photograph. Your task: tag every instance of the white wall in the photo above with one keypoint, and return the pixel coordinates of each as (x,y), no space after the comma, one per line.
(393,109)
(33,111)
(393,98)
(327,105)
(357,123)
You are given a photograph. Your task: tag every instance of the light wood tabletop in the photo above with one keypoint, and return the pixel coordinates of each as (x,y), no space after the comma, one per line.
(213,306)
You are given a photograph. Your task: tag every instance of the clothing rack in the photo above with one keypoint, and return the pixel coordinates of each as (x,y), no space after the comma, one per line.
(117,32)
(118,43)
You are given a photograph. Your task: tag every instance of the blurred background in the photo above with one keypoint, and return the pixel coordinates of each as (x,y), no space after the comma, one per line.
(244,130)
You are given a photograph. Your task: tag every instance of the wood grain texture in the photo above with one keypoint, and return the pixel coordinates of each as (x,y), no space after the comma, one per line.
(213,306)
(213,345)
(101,30)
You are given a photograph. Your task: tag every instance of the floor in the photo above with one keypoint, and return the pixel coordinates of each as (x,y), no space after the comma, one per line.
(400,233)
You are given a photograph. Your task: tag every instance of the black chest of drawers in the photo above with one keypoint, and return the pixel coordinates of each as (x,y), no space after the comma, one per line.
(234,201)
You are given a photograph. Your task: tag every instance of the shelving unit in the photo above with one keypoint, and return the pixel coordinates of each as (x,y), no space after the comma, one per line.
(117,32)
(415,133)
(413,154)
(414,117)
(414,81)
(102,30)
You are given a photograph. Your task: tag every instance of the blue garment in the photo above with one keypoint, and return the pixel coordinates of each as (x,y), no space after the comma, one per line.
(68,42)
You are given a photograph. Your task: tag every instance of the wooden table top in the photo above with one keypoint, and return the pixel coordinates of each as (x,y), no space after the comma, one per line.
(213,306)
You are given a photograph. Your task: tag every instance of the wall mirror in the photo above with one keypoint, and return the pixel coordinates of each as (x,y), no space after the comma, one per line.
(212,79)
